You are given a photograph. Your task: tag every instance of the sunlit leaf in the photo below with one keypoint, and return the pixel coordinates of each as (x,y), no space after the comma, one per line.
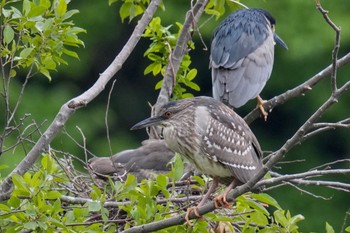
(265,198)
(61,8)
(25,52)
(329,228)
(53,195)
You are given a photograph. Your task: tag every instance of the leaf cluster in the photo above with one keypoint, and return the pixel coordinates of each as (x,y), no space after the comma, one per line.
(37,204)
(37,36)
(159,53)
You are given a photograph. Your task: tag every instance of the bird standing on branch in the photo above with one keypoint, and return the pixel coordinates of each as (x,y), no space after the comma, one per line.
(242,55)
(213,138)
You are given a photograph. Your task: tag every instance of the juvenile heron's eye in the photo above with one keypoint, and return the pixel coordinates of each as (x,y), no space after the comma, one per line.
(168,114)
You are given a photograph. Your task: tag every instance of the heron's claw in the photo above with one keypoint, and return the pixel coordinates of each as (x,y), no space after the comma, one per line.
(221,199)
(187,216)
(261,107)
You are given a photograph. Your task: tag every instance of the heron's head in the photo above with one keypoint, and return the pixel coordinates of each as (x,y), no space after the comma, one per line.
(170,114)
(272,21)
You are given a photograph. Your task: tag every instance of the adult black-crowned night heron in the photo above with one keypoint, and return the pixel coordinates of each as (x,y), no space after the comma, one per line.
(213,138)
(242,55)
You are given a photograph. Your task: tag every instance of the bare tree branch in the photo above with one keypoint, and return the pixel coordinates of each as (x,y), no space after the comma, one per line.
(68,108)
(106,118)
(336,46)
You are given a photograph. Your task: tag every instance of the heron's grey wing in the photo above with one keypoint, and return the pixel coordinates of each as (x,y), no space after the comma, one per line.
(249,79)
(229,140)
(241,35)
(238,35)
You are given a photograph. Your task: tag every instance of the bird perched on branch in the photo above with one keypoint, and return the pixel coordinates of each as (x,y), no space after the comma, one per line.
(213,138)
(242,55)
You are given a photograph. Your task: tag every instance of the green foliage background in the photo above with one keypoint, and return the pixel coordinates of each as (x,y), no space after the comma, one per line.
(310,41)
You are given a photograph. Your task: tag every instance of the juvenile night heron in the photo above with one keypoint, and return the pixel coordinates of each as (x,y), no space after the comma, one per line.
(213,138)
(151,158)
(242,55)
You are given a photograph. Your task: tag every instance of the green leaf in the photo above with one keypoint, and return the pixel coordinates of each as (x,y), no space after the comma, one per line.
(347,229)
(9,34)
(104,214)
(199,180)
(258,207)
(162,181)
(193,86)
(4,208)
(96,193)
(280,218)
(329,228)
(20,183)
(110,2)
(149,68)
(69,14)
(158,85)
(135,10)
(25,52)
(26,7)
(36,11)
(191,74)
(178,167)
(265,198)
(53,195)
(61,8)
(30,225)
(124,10)
(157,68)
(14,201)
(94,206)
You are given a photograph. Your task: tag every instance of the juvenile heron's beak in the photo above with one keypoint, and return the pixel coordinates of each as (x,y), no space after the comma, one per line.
(279,41)
(151,121)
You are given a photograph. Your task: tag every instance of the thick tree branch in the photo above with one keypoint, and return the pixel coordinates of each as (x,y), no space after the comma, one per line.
(68,108)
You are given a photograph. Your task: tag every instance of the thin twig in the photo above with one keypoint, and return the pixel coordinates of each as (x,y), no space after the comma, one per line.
(336,45)
(106,118)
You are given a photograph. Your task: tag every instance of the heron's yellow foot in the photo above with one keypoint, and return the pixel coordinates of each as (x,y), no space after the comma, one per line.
(221,199)
(261,107)
(187,216)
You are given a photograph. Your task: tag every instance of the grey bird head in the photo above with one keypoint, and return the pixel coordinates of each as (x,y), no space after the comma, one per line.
(272,21)
(210,135)
(242,55)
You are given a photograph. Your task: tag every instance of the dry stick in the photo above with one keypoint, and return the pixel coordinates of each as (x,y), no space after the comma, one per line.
(68,108)
(299,178)
(106,118)
(336,46)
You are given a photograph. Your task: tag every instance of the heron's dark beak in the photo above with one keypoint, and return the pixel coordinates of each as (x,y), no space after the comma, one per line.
(151,121)
(279,41)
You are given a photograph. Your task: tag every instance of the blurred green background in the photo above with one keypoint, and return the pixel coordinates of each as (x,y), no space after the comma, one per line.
(299,24)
